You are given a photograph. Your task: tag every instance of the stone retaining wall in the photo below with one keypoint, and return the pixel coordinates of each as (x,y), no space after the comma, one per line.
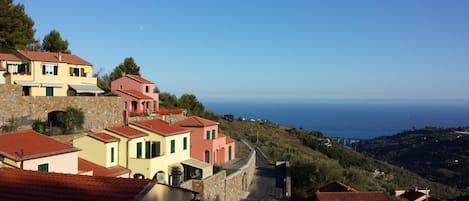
(100,112)
(221,187)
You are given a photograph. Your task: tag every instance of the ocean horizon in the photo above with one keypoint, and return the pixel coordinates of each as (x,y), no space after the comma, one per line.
(350,118)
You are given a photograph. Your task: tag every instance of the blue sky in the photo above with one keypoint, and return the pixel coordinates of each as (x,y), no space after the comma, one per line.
(273,49)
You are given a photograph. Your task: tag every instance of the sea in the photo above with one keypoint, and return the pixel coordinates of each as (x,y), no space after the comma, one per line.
(350,119)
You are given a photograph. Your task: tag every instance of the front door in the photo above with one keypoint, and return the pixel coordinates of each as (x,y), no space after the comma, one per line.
(49,91)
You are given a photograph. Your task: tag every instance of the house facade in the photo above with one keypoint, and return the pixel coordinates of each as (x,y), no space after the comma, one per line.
(136,93)
(33,151)
(211,146)
(49,73)
(149,149)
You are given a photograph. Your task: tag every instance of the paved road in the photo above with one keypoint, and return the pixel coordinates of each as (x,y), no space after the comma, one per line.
(265,186)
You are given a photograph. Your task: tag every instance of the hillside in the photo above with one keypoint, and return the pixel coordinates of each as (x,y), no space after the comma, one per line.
(317,161)
(440,155)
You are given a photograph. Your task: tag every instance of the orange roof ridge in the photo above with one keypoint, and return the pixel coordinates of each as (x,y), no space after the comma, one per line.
(53,57)
(104,137)
(159,126)
(28,144)
(135,93)
(126,131)
(195,121)
(98,170)
(139,79)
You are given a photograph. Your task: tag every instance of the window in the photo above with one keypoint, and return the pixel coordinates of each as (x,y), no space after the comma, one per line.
(125,105)
(112,154)
(77,72)
(147,149)
(43,167)
(49,69)
(213,134)
(147,89)
(184,143)
(208,135)
(229,153)
(12,68)
(207,156)
(49,91)
(26,90)
(139,150)
(173,146)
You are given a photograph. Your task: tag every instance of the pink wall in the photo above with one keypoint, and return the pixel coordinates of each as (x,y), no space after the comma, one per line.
(62,163)
(126,83)
(218,147)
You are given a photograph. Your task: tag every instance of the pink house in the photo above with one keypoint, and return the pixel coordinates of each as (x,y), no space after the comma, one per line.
(33,151)
(136,93)
(207,144)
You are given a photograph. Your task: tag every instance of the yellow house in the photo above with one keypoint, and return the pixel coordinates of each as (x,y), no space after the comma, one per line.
(49,73)
(150,149)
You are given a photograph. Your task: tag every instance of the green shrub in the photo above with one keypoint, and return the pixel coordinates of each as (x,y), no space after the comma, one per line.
(40,126)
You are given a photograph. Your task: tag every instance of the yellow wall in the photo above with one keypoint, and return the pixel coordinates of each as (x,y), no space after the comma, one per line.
(91,150)
(63,76)
(122,153)
(110,145)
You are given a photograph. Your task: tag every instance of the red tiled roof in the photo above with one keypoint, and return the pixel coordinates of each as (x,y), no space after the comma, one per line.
(351,196)
(136,94)
(163,111)
(126,131)
(336,186)
(161,127)
(53,57)
(29,145)
(28,185)
(9,57)
(139,79)
(195,121)
(229,140)
(103,137)
(100,170)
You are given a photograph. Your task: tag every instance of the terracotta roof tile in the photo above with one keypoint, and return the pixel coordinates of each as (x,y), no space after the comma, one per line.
(164,111)
(161,127)
(32,185)
(136,94)
(30,145)
(53,57)
(103,137)
(126,131)
(336,186)
(351,196)
(100,170)
(195,121)
(229,140)
(9,57)
(139,79)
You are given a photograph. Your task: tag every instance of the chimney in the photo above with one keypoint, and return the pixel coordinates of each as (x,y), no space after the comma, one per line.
(60,56)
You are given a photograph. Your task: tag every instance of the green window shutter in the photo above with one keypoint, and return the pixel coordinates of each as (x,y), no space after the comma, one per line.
(147,149)
(213,134)
(229,153)
(43,167)
(208,135)
(27,68)
(173,146)
(207,156)
(184,144)
(55,70)
(139,150)
(43,69)
(112,154)
(49,91)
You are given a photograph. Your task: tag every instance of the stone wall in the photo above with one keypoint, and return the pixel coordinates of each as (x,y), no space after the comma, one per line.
(222,187)
(100,112)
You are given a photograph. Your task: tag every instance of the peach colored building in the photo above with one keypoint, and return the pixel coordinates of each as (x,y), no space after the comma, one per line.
(207,144)
(33,151)
(136,93)
(49,73)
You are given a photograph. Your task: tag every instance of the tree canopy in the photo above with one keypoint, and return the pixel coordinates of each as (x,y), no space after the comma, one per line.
(128,67)
(191,104)
(53,42)
(16,27)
